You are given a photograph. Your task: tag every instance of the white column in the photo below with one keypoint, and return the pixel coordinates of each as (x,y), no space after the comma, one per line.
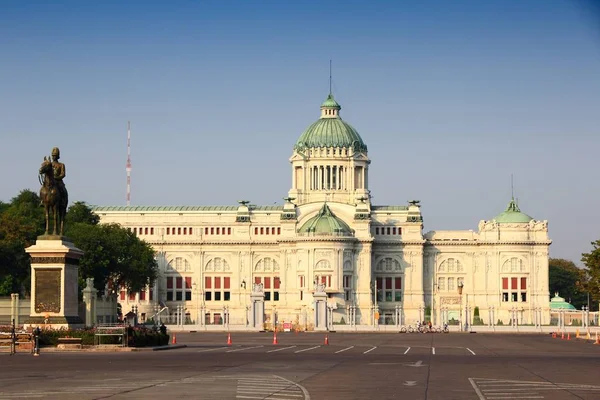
(320,177)
(294,181)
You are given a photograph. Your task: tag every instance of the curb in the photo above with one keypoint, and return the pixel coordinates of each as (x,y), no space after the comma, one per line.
(105,349)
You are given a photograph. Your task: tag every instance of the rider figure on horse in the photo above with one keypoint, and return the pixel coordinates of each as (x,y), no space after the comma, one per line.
(59,172)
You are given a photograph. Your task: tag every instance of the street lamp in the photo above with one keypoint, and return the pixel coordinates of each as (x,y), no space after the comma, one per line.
(375,290)
(460,290)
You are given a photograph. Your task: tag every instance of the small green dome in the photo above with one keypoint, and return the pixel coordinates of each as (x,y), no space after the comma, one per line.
(558,303)
(325,223)
(512,214)
(330,131)
(331,103)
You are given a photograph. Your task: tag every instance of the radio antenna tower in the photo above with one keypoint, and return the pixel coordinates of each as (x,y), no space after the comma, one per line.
(128,166)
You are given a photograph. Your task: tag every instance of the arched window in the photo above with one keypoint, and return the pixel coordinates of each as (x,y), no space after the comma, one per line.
(217,264)
(450,275)
(266,271)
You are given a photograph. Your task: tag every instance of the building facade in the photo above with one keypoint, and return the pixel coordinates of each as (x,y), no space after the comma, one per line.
(374,262)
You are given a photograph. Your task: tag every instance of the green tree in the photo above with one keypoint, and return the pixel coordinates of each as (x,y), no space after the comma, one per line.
(568,280)
(113,253)
(80,212)
(592,262)
(21,221)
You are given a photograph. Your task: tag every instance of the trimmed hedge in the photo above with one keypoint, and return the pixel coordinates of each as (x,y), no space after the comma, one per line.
(138,336)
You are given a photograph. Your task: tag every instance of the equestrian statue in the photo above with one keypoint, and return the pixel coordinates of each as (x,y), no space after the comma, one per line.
(53,193)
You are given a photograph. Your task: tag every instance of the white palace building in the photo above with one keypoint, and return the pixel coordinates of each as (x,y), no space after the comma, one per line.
(373,264)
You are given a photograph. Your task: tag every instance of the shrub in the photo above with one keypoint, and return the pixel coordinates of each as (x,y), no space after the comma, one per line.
(139,336)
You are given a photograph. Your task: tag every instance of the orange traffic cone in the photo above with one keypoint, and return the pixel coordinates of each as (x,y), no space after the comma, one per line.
(275,337)
(174,339)
(553,335)
(569,336)
(326,339)
(229,339)
(562,336)
(597,339)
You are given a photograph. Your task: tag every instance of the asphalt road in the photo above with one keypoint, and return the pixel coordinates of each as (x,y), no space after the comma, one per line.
(301,366)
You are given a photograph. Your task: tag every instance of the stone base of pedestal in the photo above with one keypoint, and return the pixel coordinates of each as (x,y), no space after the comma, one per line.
(54,283)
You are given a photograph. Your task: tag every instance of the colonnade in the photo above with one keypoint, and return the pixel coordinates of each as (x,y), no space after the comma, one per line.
(333,177)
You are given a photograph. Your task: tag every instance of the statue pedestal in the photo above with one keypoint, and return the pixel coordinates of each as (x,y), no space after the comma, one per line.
(54,283)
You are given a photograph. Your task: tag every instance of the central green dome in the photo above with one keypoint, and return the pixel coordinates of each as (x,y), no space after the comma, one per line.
(325,223)
(330,131)
(512,214)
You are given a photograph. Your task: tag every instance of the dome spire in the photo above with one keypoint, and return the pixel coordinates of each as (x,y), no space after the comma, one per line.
(330,77)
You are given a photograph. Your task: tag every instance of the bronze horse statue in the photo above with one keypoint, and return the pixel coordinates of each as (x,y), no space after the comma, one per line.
(54,200)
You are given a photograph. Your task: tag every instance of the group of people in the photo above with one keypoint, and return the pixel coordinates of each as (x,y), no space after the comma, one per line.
(428,326)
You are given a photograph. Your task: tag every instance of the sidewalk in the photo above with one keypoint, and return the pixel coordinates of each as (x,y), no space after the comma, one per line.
(98,349)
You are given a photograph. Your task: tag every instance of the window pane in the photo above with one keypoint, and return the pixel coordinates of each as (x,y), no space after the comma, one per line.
(379,283)
(276,282)
(217,296)
(217,282)
(207,282)
(505,297)
(523,297)
(178,282)
(226,296)
(169,296)
(513,283)
(275,296)
(523,283)
(142,295)
(169,282)
(188,296)
(388,283)
(188,282)
(451,284)
(178,296)
(379,295)
(257,279)
(505,284)
(226,282)
(398,283)
(267,282)
(267,296)
(207,296)
(388,295)
(514,297)
(398,296)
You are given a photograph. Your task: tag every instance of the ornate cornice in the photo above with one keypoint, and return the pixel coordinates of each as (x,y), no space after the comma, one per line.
(54,260)
(486,242)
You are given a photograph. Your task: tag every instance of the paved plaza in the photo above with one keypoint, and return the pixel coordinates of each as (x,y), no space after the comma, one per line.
(301,366)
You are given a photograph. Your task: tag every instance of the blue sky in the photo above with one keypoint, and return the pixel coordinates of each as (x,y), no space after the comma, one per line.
(452,97)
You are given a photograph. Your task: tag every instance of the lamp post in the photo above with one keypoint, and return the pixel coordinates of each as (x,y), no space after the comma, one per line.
(375,290)
(460,286)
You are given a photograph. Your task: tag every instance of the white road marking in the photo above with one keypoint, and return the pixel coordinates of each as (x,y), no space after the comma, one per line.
(497,389)
(407,350)
(310,348)
(271,387)
(244,348)
(217,348)
(282,348)
(433,350)
(370,350)
(472,352)
(347,348)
